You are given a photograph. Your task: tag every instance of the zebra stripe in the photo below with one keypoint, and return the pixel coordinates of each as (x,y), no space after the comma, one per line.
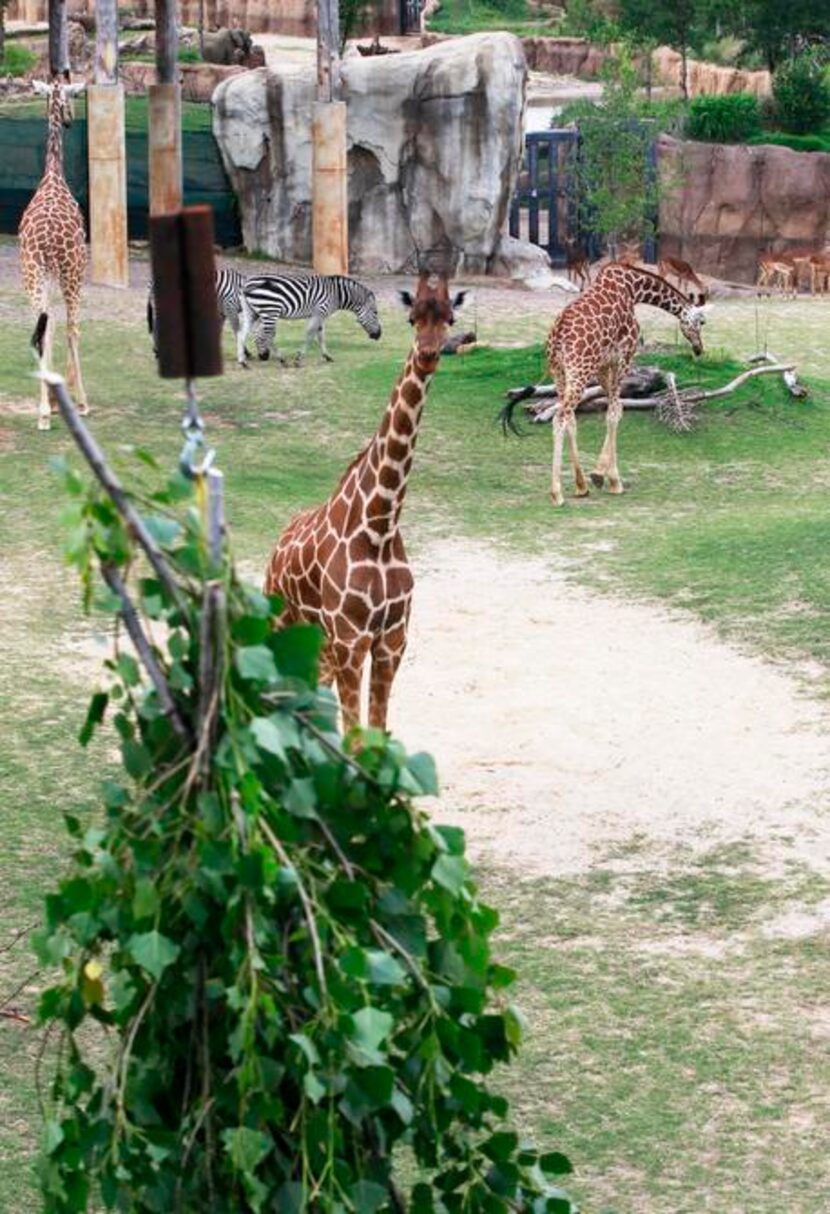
(229,298)
(273,297)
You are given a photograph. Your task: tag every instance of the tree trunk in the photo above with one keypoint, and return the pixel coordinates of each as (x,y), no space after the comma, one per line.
(58,38)
(202,28)
(328,53)
(684,70)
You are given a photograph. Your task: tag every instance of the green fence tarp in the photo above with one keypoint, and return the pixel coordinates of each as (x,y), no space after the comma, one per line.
(22,152)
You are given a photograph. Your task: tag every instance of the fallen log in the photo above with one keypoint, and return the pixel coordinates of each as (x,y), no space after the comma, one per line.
(674,407)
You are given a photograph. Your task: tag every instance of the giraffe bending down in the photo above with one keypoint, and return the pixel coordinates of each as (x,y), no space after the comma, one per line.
(595,337)
(53,246)
(343,565)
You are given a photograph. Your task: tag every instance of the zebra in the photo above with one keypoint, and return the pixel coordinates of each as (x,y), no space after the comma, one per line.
(230,299)
(273,297)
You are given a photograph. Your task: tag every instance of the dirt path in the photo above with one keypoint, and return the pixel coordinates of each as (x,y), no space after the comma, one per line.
(569,727)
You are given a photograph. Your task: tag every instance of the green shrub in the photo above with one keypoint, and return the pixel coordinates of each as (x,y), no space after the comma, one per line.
(189,54)
(802,95)
(290,962)
(17,61)
(733,118)
(817,142)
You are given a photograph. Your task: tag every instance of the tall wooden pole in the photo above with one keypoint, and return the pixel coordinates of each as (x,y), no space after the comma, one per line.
(107,155)
(58,38)
(165,129)
(329,176)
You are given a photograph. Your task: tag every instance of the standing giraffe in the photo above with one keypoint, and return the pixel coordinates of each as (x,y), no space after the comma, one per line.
(595,337)
(53,246)
(343,565)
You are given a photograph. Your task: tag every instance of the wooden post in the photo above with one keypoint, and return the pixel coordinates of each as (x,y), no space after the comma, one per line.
(329,176)
(165,125)
(58,38)
(107,156)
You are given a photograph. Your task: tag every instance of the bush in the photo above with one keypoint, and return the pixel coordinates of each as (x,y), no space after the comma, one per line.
(802,95)
(817,142)
(291,963)
(733,118)
(17,61)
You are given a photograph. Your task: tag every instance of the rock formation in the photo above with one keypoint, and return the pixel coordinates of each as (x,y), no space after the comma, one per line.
(434,141)
(730,202)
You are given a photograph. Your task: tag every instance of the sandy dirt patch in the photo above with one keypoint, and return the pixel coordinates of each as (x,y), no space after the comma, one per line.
(566,724)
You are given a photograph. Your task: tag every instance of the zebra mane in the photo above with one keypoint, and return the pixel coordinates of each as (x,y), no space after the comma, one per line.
(351,292)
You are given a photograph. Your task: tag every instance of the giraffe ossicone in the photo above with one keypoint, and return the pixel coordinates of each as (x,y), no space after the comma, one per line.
(595,338)
(343,565)
(52,245)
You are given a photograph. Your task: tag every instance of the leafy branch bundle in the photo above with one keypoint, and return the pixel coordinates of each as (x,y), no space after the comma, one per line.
(274,970)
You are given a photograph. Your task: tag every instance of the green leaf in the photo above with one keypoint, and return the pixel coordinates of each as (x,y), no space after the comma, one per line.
(128,669)
(450,872)
(53,1136)
(499,1147)
(313,1088)
(267,733)
(145,898)
(555,1164)
(384,969)
(247,1148)
(368,1196)
(290,1198)
(297,651)
(307,1046)
(371,1027)
(94,716)
(422,767)
(137,758)
(256,663)
(153,952)
(165,531)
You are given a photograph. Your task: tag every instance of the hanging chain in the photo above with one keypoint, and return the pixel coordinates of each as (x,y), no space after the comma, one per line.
(196,457)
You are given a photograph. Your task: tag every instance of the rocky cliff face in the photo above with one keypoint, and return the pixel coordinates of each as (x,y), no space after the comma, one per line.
(728,203)
(434,142)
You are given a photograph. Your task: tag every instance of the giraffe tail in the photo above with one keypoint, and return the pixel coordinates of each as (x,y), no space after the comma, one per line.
(40,333)
(508,426)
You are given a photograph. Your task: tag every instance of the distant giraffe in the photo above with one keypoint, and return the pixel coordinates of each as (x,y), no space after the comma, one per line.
(53,246)
(343,565)
(595,337)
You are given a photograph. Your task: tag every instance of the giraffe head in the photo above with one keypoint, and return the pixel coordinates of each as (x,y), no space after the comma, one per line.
(431,312)
(59,93)
(692,319)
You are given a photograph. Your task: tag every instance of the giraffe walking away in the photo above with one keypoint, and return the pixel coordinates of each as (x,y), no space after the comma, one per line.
(595,338)
(52,245)
(343,565)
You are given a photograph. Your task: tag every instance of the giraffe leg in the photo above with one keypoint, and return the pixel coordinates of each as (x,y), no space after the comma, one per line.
(44,420)
(37,288)
(559,423)
(581,484)
(387,653)
(615,484)
(348,662)
(74,381)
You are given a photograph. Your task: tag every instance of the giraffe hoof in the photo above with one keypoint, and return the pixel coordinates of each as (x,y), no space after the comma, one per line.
(597,480)
(616,487)
(557,499)
(44,423)
(582,491)
(83,409)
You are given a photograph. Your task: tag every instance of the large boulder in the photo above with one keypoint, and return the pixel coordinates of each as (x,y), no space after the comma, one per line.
(725,204)
(434,141)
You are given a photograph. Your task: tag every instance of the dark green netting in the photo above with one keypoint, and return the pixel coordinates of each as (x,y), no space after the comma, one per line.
(22,149)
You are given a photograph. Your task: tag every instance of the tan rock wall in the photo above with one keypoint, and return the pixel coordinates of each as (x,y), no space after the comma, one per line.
(728,203)
(576,57)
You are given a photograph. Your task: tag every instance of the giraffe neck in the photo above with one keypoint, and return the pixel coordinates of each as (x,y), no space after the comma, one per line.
(54,146)
(384,468)
(648,288)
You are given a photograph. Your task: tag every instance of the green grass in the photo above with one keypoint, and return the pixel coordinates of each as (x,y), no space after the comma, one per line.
(816,141)
(17,60)
(675,1046)
(196,116)
(474,16)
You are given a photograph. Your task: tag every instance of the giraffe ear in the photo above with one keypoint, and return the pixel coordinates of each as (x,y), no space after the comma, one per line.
(458,299)
(73,90)
(406,298)
(40,88)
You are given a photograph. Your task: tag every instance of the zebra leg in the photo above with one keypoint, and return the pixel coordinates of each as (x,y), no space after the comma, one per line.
(242,323)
